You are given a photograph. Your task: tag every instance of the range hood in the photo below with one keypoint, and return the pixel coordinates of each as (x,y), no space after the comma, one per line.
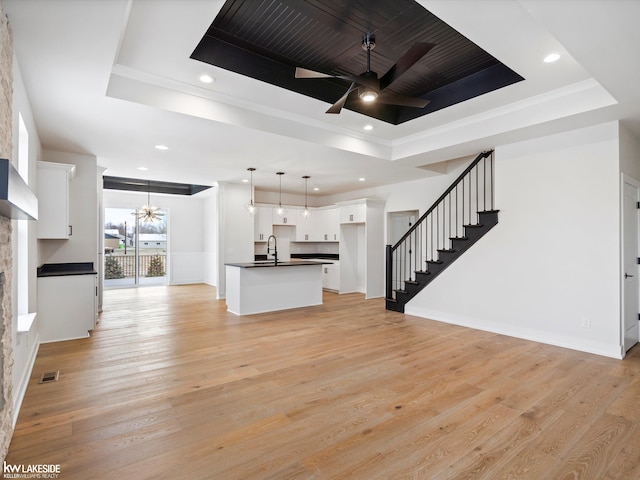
(17,201)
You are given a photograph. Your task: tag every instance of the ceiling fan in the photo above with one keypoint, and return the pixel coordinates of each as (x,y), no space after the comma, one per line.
(371,88)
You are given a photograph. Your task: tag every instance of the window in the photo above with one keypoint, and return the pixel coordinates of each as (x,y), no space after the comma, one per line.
(25,319)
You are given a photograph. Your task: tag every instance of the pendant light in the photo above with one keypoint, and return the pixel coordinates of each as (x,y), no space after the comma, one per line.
(280,210)
(306,212)
(251,208)
(148,213)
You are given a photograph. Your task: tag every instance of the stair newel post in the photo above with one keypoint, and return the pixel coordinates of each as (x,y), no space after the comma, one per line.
(389,271)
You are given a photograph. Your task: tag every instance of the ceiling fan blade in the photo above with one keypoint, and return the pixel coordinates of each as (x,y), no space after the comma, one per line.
(359,79)
(337,107)
(306,73)
(401,100)
(404,63)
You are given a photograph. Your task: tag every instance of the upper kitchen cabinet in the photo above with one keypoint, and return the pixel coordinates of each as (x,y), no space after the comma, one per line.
(290,217)
(353,212)
(263,224)
(320,226)
(327,224)
(53,200)
(305,227)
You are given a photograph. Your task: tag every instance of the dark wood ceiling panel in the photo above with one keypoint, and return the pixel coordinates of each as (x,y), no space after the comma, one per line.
(150,186)
(267,39)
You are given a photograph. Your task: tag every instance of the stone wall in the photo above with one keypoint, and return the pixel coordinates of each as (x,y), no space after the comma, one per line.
(6,149)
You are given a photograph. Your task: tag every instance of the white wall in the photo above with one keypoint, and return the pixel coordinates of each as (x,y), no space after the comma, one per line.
(235,230)
(25,345)
(187,258)
(210,224)
(629,154)
(553,260)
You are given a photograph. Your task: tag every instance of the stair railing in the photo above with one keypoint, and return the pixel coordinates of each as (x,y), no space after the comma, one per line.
(457,207)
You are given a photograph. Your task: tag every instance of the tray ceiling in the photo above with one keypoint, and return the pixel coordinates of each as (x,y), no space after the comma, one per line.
(268,40)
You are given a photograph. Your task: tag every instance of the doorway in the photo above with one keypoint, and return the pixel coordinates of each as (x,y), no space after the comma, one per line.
(135,251)
(399,223)
(630,284)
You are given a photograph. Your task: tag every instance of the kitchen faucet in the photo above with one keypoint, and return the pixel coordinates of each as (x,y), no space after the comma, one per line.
(275,248)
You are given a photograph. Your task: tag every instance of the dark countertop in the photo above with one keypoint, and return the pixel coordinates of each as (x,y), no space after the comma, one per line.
(65,269)
(270,263)
(304,256)
(322,256)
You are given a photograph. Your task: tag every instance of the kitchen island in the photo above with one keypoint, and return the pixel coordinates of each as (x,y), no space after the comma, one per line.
(258,287)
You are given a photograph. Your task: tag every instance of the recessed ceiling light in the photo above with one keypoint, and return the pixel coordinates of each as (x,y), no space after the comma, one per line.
(361,179)
(143,169)
(206,78)
(552,57)
(316,189)
(244,180)
(368,127)
(162,147)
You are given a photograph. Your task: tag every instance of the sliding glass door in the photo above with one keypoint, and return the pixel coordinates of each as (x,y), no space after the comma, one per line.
(135,249)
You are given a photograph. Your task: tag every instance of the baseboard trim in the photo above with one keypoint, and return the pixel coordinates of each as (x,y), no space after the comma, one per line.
(534,336)
(24,382)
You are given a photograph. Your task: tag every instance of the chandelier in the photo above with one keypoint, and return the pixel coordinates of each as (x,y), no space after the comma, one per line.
(147,213)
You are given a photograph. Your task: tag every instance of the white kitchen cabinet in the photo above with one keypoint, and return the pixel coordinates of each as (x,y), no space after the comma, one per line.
(331,277)
(263,224)
(353,213)
(362,247)
(329,225)
(67,306)
(289,218)
(53,200)
(320,226)
(305,226)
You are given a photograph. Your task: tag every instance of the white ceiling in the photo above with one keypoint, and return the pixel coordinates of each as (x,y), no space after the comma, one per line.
(113,78)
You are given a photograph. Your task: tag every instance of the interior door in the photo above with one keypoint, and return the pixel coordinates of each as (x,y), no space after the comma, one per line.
(631,306)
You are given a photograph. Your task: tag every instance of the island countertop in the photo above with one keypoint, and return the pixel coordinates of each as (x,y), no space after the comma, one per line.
(271,263)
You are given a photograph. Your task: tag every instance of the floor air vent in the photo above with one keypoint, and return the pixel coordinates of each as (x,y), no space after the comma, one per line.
(49,377)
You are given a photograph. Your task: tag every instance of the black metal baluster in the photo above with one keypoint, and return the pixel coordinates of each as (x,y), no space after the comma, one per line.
(492,198)
(457,231)
(449,215)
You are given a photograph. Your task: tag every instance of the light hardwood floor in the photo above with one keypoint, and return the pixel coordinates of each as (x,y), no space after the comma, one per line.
(171,386)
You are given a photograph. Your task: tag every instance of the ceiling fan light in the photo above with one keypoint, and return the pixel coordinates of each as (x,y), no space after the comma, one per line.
(367,94)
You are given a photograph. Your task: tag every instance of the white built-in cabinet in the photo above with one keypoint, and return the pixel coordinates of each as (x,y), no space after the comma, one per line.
(263,224)
(331,277)
(358,227)
(289,218)
(320,226)
(53,200)
(353,213)
(362,250)
(328,227)
(67,307)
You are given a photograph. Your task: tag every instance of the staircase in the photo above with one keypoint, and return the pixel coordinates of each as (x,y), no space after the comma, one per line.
(462,215)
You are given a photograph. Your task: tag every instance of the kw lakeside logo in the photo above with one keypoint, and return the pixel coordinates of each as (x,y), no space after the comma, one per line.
(30,471)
